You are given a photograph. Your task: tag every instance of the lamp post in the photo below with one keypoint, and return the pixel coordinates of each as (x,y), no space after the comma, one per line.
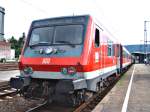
(145,38)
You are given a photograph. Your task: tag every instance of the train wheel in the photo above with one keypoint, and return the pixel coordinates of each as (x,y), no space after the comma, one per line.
(72,100)
(82,96)
(98,88)
(77,98)
(101,86)
(106,83)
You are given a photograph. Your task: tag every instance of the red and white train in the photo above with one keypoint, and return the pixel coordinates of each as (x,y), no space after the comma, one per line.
(68,55)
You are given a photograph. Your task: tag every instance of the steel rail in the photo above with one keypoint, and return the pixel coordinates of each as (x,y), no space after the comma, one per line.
(37,108)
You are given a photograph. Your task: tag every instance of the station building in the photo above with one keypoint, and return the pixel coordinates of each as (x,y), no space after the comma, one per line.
(5,47)
(140,52)
(5,50)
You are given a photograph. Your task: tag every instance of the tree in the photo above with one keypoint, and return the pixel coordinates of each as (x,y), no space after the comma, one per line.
(17,44)
(20,44)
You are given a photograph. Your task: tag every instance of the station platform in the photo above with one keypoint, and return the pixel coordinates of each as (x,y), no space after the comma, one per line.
(130,94)
(6,75)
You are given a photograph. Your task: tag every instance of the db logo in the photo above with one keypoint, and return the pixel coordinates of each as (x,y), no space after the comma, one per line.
(46,61)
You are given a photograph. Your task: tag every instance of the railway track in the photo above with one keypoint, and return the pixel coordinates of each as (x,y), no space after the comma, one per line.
(8,66)
(6,90)
(4,86)
(54,107)
(38,107)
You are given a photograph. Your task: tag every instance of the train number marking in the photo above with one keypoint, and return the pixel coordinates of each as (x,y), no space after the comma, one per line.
(46,61)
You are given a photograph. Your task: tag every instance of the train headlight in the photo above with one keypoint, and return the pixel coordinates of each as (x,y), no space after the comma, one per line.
(28,70)
(48,50)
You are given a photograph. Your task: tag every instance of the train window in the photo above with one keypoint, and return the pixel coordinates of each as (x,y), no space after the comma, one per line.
(110,48)
(97,41)
(113,49)
(118,51)
(69,34)
(41,35)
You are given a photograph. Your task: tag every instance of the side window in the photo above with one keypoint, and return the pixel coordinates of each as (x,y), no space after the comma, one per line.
(118,51)
(113,49)
(110,49)
(97,38)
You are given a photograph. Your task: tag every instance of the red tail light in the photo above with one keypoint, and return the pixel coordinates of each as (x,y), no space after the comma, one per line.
(71,70)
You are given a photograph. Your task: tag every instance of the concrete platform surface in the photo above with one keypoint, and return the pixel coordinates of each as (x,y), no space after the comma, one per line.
(122,98)
(6,75)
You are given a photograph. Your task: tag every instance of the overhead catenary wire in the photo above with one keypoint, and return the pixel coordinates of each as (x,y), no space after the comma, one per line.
(33,6)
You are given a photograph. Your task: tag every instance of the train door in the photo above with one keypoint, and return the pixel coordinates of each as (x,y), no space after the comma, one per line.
(98,58)
(98,51)
(119,58)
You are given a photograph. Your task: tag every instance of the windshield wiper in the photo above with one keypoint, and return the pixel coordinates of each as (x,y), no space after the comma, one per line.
(66,42)
(39,44)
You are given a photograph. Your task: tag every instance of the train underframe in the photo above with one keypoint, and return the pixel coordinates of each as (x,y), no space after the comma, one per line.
(62,91)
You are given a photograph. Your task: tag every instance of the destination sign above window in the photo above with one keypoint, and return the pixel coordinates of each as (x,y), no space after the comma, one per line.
(59,21)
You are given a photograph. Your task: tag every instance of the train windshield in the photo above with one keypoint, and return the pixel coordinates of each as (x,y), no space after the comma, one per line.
(57,35)
(59,40)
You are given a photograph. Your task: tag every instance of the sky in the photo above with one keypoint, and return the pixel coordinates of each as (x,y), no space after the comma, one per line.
(123,18)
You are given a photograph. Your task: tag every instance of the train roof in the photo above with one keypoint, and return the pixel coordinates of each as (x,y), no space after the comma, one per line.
(60,17)
(61,20)
(76,18)
(126,50)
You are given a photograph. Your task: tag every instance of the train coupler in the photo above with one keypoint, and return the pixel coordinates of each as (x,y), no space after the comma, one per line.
(19,82)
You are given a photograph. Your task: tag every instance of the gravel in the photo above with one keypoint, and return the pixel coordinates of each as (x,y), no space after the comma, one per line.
(16,104)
